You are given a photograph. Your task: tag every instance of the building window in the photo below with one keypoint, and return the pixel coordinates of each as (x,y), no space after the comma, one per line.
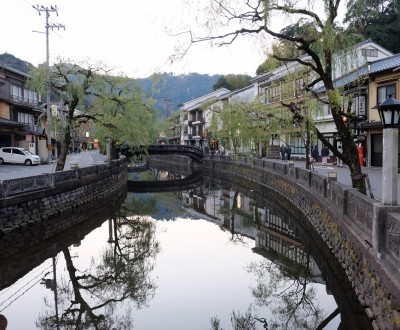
(274,93)
(16,93)
(386,92)
(25,118)
(30,96)
(372,52)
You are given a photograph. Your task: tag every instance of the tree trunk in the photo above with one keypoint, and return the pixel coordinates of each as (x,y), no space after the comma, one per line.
(65,143)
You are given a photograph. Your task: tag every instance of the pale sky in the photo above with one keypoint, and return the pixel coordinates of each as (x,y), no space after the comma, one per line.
(128,36)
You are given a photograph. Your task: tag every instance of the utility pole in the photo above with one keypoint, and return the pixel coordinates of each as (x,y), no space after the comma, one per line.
(48,26)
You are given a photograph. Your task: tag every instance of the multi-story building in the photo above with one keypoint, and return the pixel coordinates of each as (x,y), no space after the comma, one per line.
(20,113)
(195,118)
(285,85)
(384,82)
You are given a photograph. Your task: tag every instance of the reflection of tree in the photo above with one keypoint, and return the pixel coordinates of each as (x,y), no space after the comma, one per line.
(89,299)
(288,294)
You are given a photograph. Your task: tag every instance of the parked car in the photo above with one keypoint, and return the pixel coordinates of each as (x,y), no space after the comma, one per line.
(18,156)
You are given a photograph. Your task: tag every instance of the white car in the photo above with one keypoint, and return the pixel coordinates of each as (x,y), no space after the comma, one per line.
(18,156)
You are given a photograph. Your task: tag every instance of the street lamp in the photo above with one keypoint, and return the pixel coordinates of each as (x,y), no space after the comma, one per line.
(389,112)
(108,150)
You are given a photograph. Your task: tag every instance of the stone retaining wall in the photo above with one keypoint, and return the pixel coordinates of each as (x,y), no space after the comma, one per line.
(40,212)
(361,233)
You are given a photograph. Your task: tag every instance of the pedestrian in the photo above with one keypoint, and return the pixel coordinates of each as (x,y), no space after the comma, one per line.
(288,151)
(315,154)
(325,155)
(339,161)
(282,151)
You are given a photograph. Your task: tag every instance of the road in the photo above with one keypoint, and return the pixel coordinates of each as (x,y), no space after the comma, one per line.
(84,158)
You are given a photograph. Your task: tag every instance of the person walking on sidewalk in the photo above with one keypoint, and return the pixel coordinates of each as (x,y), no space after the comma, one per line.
(282,151)
(288,152)
(315,154)
(325,155)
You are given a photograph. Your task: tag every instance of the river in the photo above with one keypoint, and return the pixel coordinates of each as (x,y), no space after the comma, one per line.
(213,257)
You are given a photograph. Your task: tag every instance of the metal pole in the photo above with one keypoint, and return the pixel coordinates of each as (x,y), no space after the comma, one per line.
(49,148)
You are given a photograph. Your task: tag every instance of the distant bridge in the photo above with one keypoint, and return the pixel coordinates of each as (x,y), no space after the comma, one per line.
(196,153)
(190,182)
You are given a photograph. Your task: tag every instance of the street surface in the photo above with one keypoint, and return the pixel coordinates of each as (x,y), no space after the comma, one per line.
(87,158)
(84,158)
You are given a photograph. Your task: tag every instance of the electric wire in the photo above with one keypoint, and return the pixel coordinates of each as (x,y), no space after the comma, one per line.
(23,293)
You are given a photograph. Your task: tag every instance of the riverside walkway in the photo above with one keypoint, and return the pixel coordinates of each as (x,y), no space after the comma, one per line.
(93,157)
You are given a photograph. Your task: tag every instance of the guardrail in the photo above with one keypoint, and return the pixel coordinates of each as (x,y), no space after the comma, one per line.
(14,187)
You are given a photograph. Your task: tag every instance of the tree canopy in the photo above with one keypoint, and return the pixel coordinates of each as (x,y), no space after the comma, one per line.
(232,82)
(319,37)
(378,20)
(88,93)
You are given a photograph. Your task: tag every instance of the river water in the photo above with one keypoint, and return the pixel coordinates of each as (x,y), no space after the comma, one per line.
(212,257)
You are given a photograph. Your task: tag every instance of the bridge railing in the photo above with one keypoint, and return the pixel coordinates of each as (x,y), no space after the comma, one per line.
(191,151)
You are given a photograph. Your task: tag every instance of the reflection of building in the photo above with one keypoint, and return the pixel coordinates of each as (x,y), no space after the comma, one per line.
(279,241)
(277,238)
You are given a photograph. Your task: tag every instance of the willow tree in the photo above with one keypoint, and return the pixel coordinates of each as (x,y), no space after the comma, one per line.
(319,41)
(89,93)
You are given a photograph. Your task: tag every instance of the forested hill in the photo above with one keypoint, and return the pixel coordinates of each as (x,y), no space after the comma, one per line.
(15,63)
(166,89)
(170,91)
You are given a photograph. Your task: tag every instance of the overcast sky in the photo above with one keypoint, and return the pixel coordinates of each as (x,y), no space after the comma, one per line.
(129,36)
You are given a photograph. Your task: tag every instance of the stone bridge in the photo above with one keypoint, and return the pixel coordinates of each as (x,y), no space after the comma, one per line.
(196,153)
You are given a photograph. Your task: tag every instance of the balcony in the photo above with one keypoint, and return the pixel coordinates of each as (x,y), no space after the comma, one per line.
(24,101)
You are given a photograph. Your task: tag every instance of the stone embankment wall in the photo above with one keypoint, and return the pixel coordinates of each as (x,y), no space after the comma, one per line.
(363,234)
(35,208)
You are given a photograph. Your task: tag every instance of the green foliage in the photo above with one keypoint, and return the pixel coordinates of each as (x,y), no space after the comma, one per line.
(233,82)
(114,105)
(378,20)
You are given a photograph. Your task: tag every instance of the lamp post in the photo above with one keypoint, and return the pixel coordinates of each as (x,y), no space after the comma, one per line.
(108,150)
(389,112)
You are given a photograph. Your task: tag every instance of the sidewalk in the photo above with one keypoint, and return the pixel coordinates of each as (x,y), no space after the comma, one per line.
(84,159)
(343,175)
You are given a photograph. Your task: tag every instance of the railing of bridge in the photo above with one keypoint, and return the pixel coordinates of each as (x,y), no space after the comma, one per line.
(195,151)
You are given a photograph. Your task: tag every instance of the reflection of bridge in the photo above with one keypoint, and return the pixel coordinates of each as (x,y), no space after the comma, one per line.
(196,153)
(187,183)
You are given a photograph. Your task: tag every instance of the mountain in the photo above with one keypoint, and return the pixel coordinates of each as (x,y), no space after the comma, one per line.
(15,63)
(168,90)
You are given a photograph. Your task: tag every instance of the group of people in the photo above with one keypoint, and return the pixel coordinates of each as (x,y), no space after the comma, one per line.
(285,152)
(324,155)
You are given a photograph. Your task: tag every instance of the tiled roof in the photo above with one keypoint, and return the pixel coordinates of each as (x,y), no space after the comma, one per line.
(388,63)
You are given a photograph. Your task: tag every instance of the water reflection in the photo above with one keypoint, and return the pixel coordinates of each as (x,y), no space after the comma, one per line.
(109,279)
(288,276)
(89,296)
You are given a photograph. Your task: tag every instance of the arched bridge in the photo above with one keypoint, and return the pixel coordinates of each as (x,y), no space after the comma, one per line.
(196,153)
(187,183)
